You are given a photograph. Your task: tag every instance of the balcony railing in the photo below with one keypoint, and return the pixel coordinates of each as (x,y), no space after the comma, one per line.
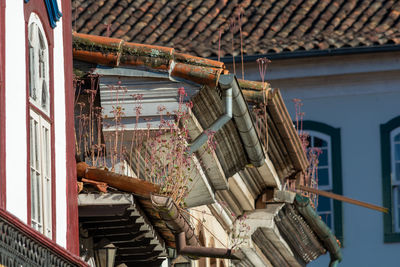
(20,245)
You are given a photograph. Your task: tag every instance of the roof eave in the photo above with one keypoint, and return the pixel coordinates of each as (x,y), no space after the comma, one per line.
(313,53)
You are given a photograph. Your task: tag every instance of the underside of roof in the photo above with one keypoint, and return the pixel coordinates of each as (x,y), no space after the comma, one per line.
(268,27)
(286,233)
(118,218)
(207,106)
(207,103)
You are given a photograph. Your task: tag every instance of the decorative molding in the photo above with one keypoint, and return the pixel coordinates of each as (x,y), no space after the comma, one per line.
(337,184)
(389,235)
(24,246)
(53,11)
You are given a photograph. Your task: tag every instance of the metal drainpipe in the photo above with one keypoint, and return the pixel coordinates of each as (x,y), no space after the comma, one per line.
(333,263)
(243,121)
(191,251)
(218,124)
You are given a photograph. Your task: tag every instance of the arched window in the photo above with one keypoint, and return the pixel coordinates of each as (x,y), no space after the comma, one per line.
(390,155)
(40,127)
(327,139)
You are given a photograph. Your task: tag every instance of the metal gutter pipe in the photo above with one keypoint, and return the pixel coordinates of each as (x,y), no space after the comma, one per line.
(180,226)
(320,228)
(243,121)
(218,124)
(192,251)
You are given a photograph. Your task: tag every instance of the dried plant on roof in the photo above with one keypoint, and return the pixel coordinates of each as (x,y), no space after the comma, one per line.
(310,177)
(260,111)
(159,154)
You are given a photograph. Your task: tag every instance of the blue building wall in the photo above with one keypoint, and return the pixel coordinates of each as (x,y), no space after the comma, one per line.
(356,93)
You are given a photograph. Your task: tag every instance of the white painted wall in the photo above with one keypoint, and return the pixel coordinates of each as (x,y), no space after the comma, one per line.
(355,93)
(60,135)
(16,147)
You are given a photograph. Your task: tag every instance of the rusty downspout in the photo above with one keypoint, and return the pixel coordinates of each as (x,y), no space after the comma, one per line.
(192,251)
(184,233)
(218,124)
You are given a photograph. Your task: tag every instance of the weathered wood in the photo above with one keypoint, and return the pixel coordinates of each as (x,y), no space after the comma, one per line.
(343,198)
(136,186)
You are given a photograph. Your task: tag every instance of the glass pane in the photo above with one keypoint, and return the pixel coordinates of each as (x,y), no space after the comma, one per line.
(397,171)
(323,177)
(44,95)
(396,206)
(319,142)
(32,90)
(41,41)
(398,217)
(397,151)
(323,158)
(397,138)
(328,220)
(38,198)
(46,151)
(324,204)
(308,141)
(33,195)
(31,143)
(36,144)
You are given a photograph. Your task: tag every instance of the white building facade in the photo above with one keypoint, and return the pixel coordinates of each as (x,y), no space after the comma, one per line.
(38,179)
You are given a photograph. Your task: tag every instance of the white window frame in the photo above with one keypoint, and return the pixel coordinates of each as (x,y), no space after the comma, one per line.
(394,183)
(39,74)
(328,187)
(40,128)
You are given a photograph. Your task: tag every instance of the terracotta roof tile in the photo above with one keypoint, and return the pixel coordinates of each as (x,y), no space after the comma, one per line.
(267,26)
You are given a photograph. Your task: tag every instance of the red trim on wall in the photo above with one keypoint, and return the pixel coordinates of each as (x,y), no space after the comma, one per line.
(38,7)
(72,192)
(2,105)
(43,240)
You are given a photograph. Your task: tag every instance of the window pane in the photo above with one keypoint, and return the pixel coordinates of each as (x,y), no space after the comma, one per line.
(46,151)
(398,215)
(397,171)
(323,158)
(36,144)
(396,207)
(33,195)
(397,137)
(397,152)
(323,177)
(32,160)
(44,95)
(319,142)
(39,197)
(324,204)
(327,218)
